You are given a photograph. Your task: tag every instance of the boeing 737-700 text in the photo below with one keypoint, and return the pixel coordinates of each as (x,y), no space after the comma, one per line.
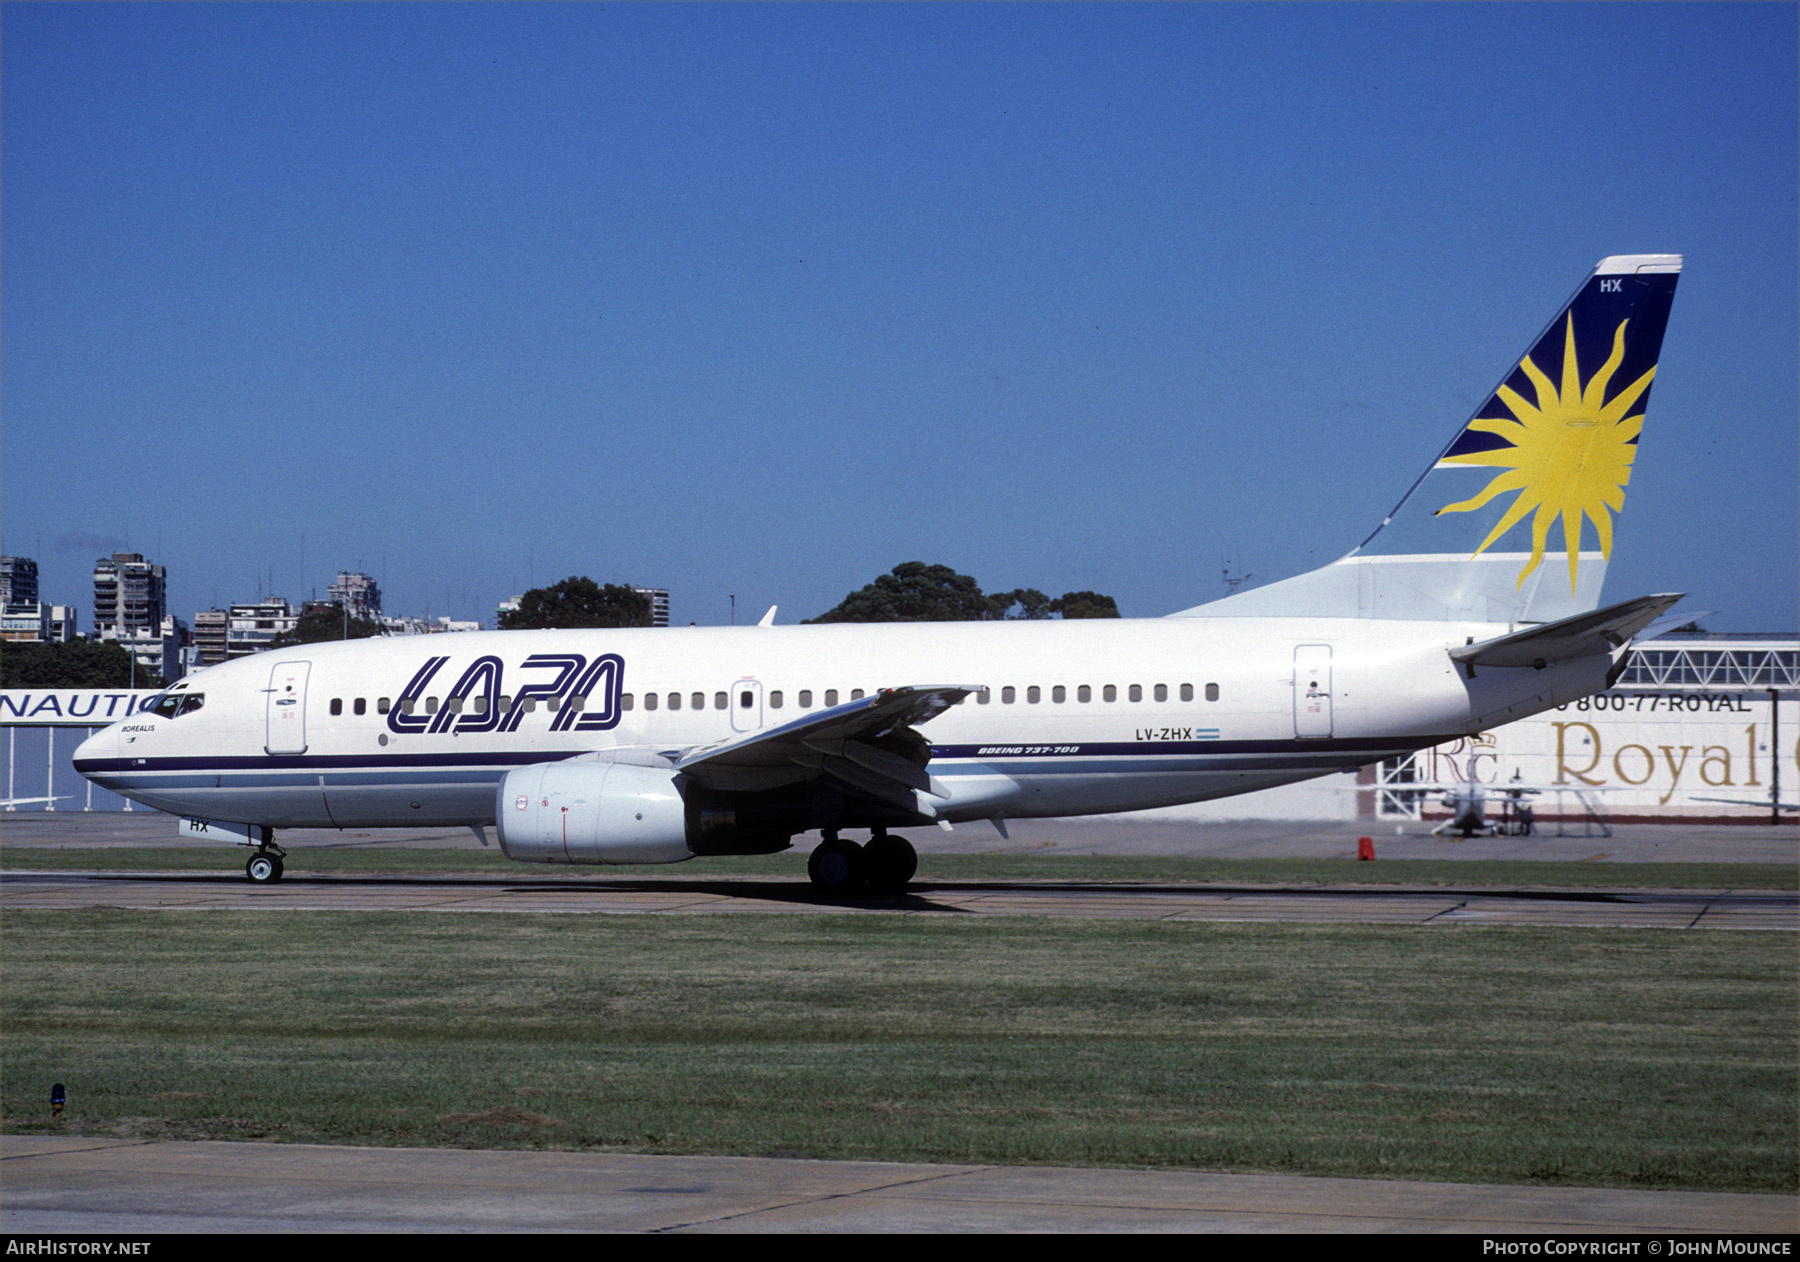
(1476,602)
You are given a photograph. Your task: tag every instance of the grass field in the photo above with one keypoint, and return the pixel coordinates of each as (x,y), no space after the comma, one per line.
(1487,1054)
(1462,873)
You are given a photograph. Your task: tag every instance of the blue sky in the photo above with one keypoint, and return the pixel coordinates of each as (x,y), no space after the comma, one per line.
(765,300)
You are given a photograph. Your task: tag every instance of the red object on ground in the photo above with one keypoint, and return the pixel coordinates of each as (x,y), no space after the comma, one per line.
(1365,847)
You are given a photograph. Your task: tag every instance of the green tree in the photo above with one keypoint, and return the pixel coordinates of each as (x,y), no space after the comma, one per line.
(1032,605)
(916,592)
(76,664)
(578,602)
(320,623)
(913,592)
(1085,605)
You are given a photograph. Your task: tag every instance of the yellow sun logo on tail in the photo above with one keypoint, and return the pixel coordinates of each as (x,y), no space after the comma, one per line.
(1570,455)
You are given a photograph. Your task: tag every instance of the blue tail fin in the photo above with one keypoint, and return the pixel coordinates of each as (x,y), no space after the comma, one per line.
(1540,469)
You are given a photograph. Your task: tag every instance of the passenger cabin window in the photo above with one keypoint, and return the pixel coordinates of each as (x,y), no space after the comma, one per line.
(1084,693)
(721,701)
(1136,693)
(830,697)
(856,694)
(337,705)
(1212,692)
(775,700)
(626,701)
(1033,694)
(1059,694)
(698,701)
(1008,695)
(1187,692)
(649,701)
(381,705)
(746,699)
(431,705)
(1162,692)
(985,696)
(806,698)
(360,705)
(1109,693)
(674,701)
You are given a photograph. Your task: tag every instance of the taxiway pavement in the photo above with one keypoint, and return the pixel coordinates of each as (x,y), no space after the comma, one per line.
(126,1186)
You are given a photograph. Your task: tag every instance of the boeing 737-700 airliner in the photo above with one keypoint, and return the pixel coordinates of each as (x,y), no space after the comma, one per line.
(1474,603)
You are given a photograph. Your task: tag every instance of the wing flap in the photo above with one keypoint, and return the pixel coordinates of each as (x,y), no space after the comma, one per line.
(865,748)
(857,780)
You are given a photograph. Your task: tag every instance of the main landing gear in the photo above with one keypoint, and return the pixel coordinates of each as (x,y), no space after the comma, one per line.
(884,866)
(264,867)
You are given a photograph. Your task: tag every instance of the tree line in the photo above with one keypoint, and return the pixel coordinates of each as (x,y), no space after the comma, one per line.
(916,592)
(910,592)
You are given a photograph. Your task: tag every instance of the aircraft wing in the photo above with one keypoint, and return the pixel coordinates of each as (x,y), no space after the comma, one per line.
(1786,806)
(1584,635)
(864,748)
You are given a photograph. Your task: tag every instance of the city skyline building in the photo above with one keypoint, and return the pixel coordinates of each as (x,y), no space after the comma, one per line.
(253,626)
(18,581)
(130,596)
(131,607)
(659,604)
(357,593)
(210,627)
(24,618)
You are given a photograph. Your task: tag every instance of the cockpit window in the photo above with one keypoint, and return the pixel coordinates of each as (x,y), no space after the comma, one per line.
(163,706)
(172,704)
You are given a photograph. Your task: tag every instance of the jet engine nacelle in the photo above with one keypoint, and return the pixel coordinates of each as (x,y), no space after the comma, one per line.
(591,811)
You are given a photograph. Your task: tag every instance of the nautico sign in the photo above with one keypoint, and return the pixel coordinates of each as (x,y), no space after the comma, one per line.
(70,707)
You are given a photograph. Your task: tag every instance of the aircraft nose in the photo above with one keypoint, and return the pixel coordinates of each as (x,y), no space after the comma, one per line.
(102,744)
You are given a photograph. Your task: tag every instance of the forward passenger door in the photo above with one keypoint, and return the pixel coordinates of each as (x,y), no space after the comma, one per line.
(286,722)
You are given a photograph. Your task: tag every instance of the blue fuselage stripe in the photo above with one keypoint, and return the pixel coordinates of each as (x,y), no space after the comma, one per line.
(948,762)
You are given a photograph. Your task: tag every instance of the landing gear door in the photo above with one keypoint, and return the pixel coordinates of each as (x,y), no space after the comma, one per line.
(1312,690)
(287,708)
(746,705)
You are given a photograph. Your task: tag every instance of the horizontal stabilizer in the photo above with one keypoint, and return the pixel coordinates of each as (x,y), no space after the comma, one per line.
(1584,635)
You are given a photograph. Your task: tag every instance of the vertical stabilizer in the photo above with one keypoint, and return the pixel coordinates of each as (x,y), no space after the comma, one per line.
(1513,521)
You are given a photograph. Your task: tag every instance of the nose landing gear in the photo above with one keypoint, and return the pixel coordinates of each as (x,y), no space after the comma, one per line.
(264,867)
(884,866)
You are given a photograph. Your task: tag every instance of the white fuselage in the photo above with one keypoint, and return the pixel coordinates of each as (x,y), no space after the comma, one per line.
(1078,717)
